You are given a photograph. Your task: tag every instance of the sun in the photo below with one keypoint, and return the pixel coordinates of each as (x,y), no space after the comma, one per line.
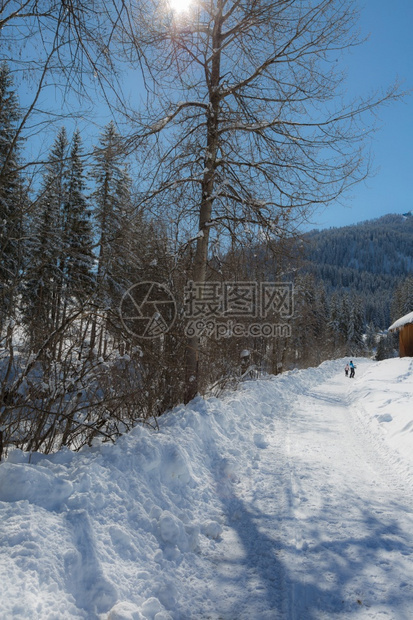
(180,6)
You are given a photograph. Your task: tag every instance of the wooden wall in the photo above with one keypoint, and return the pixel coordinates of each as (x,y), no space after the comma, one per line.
(406,340)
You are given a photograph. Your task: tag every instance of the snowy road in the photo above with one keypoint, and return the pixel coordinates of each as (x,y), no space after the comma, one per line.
(323,515)
(291,499)
(351,515)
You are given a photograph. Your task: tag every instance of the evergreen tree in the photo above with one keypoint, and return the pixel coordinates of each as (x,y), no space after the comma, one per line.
(114,226)
(355,329)
(337,325)
(12,196)
(345,329)
(387,347)
(402,299)
(333,319)
(77,230)
(45,274)
(408,296)
(112,204)
(371,337)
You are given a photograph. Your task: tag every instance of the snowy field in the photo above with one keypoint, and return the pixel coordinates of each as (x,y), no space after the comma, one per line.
(289,499)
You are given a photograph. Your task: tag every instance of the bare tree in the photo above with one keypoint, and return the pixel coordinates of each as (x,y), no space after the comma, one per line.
(247,117)
(61,54)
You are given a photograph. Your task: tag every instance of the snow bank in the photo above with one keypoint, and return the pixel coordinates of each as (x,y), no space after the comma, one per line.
(133,531)
(383,398)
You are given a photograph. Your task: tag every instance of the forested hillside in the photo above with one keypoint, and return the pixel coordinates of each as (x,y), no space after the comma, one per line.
(370,259)
(383,247)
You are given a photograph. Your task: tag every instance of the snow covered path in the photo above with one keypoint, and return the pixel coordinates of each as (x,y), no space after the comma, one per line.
(291,499)
(351,517)
(322,528)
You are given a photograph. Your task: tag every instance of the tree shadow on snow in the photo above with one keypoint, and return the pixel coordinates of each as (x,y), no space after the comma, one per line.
(330,570)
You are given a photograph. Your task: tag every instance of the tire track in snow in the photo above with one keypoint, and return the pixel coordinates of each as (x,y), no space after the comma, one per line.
(348,528)
(248,559)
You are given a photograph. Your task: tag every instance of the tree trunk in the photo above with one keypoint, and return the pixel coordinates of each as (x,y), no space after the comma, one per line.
(192,378)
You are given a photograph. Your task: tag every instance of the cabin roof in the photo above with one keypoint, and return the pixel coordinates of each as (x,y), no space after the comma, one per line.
(404,320)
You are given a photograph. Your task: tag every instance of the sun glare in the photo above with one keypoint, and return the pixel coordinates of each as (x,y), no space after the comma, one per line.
(180,6)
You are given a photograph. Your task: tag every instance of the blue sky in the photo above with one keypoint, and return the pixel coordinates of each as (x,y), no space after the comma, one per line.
(377,63)
(387,55)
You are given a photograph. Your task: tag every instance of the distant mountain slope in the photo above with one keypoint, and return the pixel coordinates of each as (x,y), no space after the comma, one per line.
(383,246)
(369,259)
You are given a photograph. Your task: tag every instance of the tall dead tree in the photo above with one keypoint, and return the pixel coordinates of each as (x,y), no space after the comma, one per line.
(247,118)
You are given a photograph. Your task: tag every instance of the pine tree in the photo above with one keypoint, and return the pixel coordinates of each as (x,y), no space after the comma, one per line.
(45,274)
(336,324)
(371,337)
(387,347)
(355,331)
(402,299)
(77,229)
(408,295)
(111,198)
(12,196)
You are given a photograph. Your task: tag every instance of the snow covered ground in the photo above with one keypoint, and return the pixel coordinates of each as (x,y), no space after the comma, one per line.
(288,499)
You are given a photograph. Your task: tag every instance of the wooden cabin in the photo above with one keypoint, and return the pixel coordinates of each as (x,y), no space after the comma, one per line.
(404,326)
